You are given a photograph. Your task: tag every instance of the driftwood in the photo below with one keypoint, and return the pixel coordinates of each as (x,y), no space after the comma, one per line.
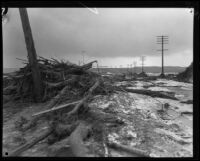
(50,105)
(131,150)
(88,65)
(173,136)
(84,100)
(151,93)
(76,140)
(60,84)
(187,102)
(55,108)
(54,73)
(186,113)
(51,72)
(23,148)
(57,97)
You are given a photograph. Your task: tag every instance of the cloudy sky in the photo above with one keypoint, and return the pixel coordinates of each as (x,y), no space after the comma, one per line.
(113,36)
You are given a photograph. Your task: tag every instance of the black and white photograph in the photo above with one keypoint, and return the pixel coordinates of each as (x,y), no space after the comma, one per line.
(97,81)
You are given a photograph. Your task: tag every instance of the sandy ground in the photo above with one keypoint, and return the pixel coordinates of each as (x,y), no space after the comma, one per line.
(166,134)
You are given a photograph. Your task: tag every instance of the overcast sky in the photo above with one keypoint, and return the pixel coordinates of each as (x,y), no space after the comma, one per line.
(113,36)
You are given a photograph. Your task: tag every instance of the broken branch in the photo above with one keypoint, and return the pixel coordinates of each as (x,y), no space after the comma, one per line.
(55,108)
(25,147)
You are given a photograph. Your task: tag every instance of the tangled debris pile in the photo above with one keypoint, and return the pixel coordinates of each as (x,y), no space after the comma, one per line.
(69,88)
(75,120)
(54,74)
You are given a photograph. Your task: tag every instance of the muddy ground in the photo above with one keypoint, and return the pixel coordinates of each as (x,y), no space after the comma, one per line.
(145,125)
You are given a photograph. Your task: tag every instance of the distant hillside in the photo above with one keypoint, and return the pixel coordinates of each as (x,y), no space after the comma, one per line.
(9,70)
(149,69)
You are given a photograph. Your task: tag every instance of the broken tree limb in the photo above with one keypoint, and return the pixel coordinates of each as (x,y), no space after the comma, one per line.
(76,140)
(25,147)
(131,150)
(51,72)
(151,93)
(88,65)
(50,105)
(55,108)
(76,108)
(60,84)
(57,97)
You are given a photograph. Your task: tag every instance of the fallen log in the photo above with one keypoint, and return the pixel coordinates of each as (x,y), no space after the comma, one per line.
(25,147)
(186,113)
(88,65)
(151,93)
(60,84)
(173,136)
(55,108)
(51,72)
(57,97)
(76,140)
(187,102)
(50,105)
(131,150)
(84,100)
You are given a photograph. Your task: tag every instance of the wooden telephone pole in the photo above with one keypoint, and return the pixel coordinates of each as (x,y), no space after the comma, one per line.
(32,56)
(134,63)
(142,58)
(162,40)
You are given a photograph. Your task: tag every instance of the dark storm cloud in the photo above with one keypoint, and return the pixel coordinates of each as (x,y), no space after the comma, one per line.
(111,33)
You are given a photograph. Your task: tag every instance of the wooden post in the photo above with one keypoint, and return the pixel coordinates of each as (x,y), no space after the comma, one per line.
(32,57)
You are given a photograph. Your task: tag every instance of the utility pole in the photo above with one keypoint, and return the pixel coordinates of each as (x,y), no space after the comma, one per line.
(83,56)
(32,56)
(131,70)
(162,40)
(142,59)
(134,63)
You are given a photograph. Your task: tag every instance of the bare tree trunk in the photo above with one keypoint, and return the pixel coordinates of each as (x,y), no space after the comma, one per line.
(32,57)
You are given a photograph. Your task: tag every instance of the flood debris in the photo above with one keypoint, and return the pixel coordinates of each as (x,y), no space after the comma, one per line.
(85,114)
